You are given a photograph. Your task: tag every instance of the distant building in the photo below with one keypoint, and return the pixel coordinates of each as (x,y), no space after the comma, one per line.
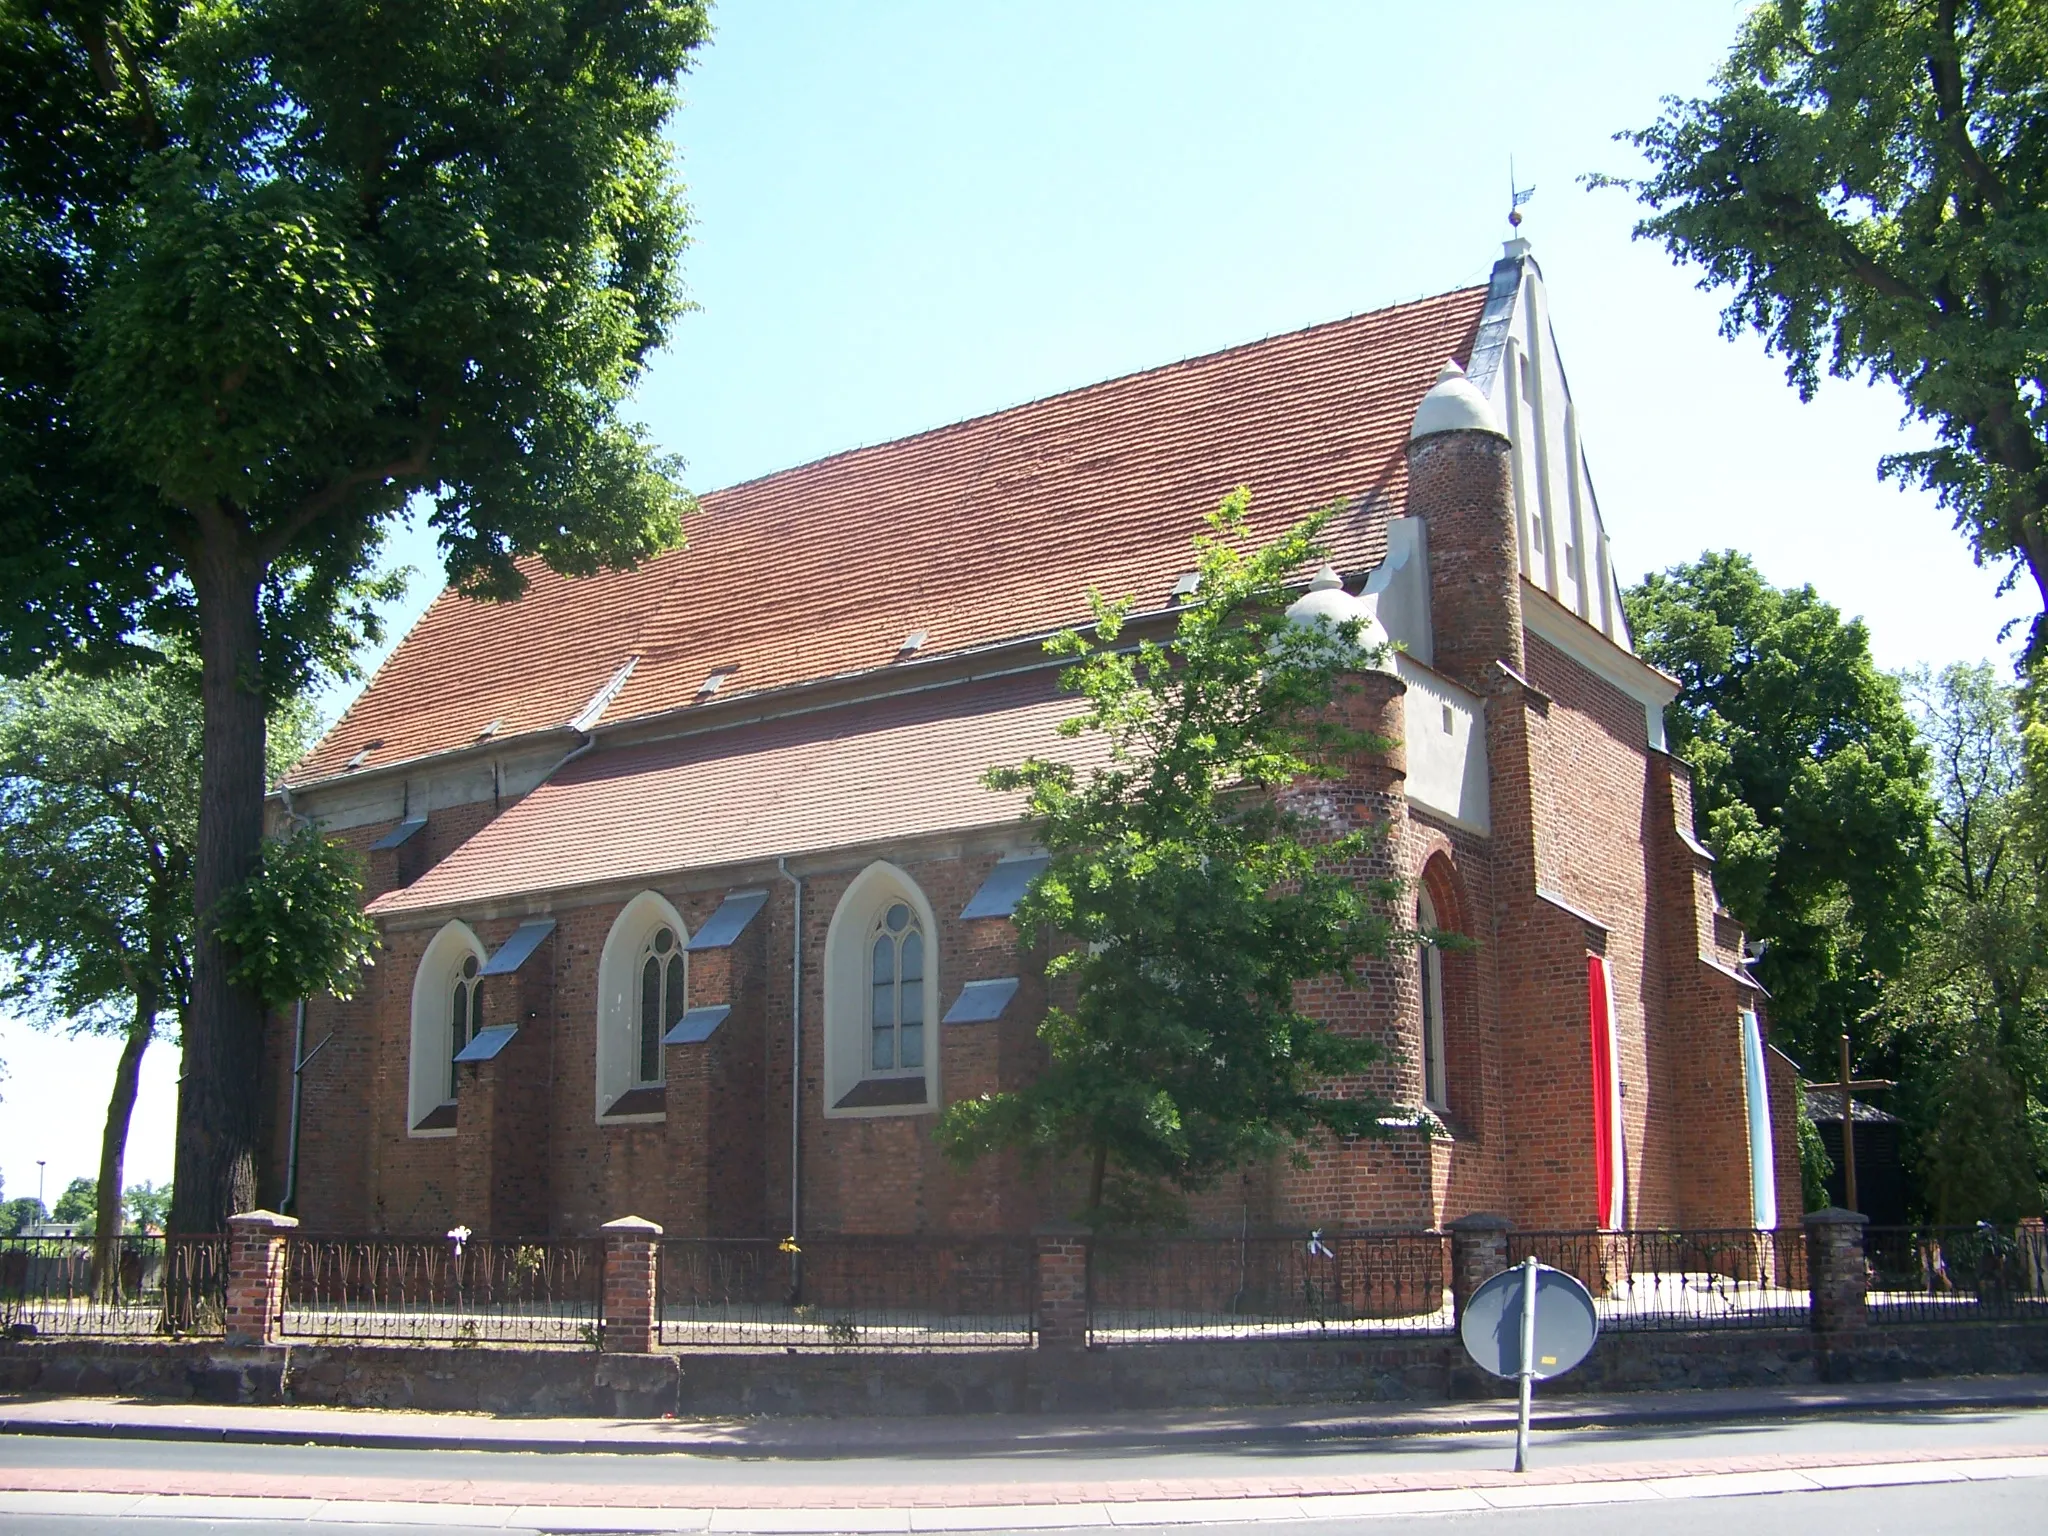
(695,907)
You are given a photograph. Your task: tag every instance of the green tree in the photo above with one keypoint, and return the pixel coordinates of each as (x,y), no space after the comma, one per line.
(1191,893)
(20,1213)
(273,270)
(79,1202)
(1869,183)
(1969,1018)
(1808,785)
(99,820)
(148,1206)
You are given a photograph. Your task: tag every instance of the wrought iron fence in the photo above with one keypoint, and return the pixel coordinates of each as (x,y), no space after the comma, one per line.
(1668,1281)
(1956,1274)
(438,1290)
(1144,1290)
(148,1285)
(924,1292)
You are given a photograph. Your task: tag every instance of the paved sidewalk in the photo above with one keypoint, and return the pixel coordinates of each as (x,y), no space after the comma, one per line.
(105,1494)
(824,1438)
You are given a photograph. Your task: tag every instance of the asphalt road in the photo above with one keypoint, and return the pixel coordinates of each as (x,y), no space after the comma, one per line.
(2019,1505)
(997,1460)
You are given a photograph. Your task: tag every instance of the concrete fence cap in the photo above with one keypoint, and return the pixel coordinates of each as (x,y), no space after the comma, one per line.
(627,1225)
(263,1219)
(1835,1216)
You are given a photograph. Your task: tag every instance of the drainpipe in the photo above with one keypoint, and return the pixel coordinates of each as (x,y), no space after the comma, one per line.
(299,1057)
(291,1142)
(796,1076)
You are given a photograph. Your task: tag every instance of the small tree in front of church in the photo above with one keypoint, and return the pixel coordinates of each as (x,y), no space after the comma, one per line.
(1190,894)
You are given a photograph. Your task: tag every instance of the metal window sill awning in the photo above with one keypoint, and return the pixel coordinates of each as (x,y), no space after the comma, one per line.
(884,1092)
(1004,888)
(982,1002)
(697,1025)
(722,928)
(515,951)
(488,1043)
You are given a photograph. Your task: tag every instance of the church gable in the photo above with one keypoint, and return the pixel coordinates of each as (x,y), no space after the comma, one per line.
(1515,363)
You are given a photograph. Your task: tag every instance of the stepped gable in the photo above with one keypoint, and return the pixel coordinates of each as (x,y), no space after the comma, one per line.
(981,531)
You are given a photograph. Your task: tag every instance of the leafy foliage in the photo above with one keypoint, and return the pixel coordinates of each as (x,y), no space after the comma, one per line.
(78,1202)
(296,926)
(148,1206)
(1869,183)
(1809,785)
(1969,1018)
(21,1213)
(99,813)
(282,265)
(1193,887)
(273,270)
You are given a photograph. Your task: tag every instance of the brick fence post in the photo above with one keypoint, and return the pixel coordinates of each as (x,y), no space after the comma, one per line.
(1062,1285)
(256,1275)
(630,1315)
(1837,1271)
(1479,1251)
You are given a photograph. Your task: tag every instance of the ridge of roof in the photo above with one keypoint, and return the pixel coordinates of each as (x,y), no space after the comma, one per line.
(1079,391)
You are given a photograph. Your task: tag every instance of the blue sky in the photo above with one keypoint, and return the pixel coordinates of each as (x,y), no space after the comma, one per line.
(911,213)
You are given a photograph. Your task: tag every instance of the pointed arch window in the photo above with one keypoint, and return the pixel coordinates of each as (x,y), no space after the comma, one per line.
(1435,1092)
(447,1012)
(662,991)
(642,990)
(896,993)
(465,1015)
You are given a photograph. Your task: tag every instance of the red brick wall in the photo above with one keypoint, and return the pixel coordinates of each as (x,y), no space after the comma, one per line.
(1580,808)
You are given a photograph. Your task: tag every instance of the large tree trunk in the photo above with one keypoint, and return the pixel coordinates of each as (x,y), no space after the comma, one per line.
(106,1238)
(218,1114)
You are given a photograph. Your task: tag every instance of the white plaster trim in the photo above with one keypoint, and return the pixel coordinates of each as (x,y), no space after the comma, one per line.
(1550,621)
(1446,779)
(618,985)
(846,990)
(431,1045)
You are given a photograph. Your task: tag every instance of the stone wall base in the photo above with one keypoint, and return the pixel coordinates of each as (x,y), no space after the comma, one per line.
(571,1383)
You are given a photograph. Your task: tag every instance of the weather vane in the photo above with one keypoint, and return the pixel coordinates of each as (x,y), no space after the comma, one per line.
(1517,195)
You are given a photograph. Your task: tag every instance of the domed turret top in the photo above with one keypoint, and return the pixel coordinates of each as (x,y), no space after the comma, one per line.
(1327,603)
(1454,404)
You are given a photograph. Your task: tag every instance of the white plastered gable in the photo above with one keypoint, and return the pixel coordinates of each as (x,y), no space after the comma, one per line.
(1515,364)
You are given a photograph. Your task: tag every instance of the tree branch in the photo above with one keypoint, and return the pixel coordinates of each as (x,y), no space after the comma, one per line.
(1944,68)
(328,497)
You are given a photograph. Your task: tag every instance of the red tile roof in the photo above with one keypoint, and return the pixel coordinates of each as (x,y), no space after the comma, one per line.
(884,770)
(981,531)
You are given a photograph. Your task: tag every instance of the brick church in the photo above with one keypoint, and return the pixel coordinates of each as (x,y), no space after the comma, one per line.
(694,905)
